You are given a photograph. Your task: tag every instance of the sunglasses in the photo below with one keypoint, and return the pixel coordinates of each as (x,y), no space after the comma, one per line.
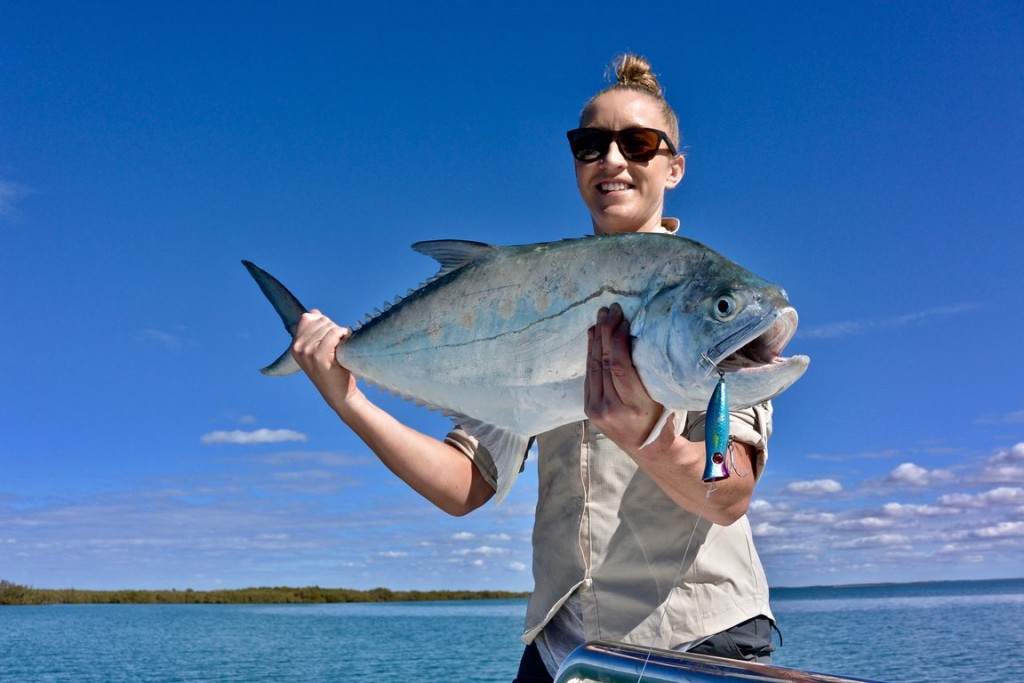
(635,144)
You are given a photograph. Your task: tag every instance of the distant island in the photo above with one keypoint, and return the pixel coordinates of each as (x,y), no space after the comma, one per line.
(15,594)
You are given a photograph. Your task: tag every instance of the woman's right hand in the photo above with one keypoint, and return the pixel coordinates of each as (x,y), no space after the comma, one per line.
(438,471)
(315,350)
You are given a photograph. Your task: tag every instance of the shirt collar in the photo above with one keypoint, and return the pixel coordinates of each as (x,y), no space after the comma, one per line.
(669,225)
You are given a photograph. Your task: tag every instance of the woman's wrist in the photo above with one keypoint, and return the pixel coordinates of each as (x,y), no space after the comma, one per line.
(350,403)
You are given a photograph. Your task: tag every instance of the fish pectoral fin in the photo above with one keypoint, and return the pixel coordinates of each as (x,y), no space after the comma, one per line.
(659,426)
(507,449)
(284,365)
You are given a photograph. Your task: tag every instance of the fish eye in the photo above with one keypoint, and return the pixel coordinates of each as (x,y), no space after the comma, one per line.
(724,308)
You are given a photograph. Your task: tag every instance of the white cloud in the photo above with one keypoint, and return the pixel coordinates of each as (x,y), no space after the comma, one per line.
(901,537)
(323,458)
(864,524)
(1002,474)
(1006,466)
(1002,530)
(250,527)
(812,517)
(815,487)
(463,536)
(904,510)
(1015,417)
(874,540)
(257,436)
(1004,495)
(847,328)
(165,339)
(766,529)
(304,476)
(517,566)
(482,550)
(909,474)
(1015,454)
(960,553)
(863,455)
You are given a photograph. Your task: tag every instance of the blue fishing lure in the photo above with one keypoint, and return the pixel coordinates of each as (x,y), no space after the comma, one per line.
(716,434)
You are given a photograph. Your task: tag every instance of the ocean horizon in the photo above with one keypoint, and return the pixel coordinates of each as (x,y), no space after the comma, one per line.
(480,594)
(936,631)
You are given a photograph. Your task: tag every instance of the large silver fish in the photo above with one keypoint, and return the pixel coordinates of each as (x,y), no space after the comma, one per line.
(498,338)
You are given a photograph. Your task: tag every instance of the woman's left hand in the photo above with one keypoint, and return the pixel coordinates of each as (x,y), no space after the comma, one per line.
(617,403)
(614,398)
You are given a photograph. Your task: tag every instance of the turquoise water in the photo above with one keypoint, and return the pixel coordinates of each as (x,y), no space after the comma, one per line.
(260,643)
(958,631)
(936,632)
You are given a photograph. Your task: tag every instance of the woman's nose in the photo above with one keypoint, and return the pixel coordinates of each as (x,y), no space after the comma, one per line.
(614,155)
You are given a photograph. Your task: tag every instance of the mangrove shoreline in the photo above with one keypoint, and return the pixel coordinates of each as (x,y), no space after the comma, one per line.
(15,594)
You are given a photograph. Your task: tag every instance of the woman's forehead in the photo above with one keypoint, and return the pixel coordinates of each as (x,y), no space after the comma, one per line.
(618,109)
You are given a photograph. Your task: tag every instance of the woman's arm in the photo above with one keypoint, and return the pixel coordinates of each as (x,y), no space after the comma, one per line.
(437,471)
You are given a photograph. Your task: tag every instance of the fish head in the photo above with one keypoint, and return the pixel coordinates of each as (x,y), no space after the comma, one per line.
(694,330)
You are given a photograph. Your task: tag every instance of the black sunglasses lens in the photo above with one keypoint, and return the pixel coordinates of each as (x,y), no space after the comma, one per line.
(589,144)
(639,144)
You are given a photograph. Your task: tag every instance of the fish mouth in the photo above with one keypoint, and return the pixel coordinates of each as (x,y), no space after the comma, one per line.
(756,346)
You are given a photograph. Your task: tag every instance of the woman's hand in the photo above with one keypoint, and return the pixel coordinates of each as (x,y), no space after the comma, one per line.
(314,349)
(614,398)
(436,470)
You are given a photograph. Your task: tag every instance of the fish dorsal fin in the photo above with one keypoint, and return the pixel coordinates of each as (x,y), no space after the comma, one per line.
(452,254)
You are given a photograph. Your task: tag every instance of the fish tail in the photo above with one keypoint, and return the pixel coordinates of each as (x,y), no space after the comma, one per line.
(290,310)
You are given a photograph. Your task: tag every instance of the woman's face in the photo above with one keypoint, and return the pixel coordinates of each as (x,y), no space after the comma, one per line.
(627,196)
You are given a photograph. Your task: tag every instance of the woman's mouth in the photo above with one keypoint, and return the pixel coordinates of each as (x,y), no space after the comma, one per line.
(613,187)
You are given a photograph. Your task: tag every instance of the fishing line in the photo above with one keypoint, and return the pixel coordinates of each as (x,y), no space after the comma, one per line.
(718,449)
(719,454)
(675,581)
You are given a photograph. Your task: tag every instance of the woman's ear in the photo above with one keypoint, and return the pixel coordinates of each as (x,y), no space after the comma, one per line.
(676,171)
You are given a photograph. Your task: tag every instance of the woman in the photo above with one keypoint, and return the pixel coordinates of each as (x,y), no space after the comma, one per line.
(644,554)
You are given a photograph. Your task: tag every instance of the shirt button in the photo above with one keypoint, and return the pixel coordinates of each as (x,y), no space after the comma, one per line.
(579,501)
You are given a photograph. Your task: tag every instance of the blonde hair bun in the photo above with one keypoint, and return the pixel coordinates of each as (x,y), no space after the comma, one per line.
(634,71)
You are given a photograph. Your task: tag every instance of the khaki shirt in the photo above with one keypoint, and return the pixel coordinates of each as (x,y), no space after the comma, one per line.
(647,571)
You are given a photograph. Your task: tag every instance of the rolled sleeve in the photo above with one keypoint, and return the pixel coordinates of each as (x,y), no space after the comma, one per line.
(468,445)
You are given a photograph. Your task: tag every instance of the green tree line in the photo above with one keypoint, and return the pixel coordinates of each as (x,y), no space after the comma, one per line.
(15,594)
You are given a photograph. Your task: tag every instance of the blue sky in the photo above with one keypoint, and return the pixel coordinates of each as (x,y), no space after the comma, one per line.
(867,156)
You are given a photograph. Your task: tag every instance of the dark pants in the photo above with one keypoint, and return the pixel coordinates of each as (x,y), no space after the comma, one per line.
(751,641)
